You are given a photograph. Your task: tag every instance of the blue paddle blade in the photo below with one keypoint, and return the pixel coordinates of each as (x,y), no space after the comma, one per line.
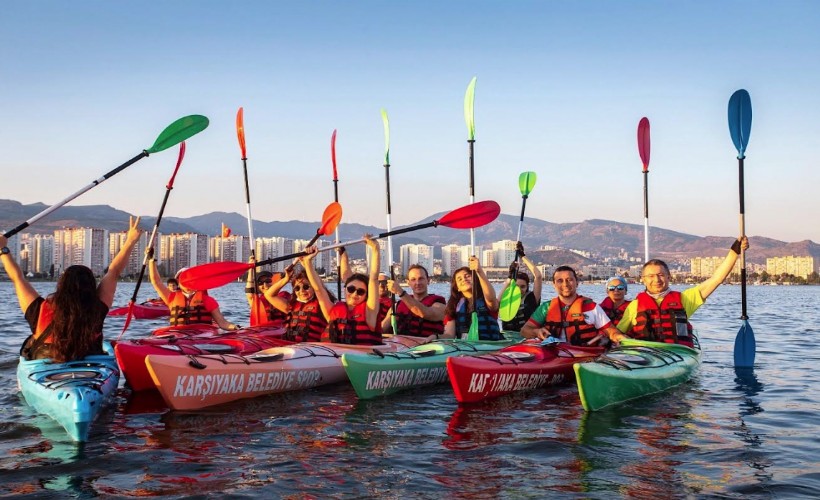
(745,346)
(740,120)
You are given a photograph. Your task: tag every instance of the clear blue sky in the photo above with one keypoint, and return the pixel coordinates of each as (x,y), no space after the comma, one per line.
(561,88)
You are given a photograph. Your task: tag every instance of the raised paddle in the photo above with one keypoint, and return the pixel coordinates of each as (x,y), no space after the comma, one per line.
(336,199)
(386,123)
(643,151)
(173,134)
(152,240)
(510,300)
(469,118)
(257,315)
(740,127)
(216,274)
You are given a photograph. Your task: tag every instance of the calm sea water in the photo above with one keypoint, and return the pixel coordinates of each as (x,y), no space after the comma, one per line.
(722,434)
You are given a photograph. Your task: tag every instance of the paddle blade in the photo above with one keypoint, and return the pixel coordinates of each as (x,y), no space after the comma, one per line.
(240,131)
(643,142)
(170,184)
(212,275)
(386,123)
(526,181)
(745,346)
(740,120)
(510,302)
(330,219)
(333,154)
(469,113)
(472,335)
(471,216)
(180,130)
(127,318)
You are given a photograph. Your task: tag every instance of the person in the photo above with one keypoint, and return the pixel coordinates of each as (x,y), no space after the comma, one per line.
(662,315)
(356,320)
(262,311)
(465,298)
(615,302)
(304,321)
(188,307)
(569,317)
(530,300)
(68,324)
(418,314)
(172,284)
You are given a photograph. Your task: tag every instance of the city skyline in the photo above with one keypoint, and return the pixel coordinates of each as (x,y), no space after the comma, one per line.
(561,88)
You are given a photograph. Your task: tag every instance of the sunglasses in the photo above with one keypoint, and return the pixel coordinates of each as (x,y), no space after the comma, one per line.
(266,282)
(620,288)
(299,288)
(358,291)
(382,283)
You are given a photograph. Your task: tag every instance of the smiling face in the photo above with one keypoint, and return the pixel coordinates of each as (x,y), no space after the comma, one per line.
(616,291)
(464,281)
(417,279)
(303,290)
(356,292)
(565,284)
(655,278)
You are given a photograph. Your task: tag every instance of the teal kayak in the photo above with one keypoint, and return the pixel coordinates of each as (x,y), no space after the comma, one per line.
(381,374)
(71,393)
(633,370)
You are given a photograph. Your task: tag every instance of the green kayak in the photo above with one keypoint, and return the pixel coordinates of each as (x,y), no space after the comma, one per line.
(381,374)
(633,370)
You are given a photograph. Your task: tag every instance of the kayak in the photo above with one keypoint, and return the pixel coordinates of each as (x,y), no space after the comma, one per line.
(380,374)
(520,367)
(633,370)
(147,310)
(184,340)
(198,381)
(71,393)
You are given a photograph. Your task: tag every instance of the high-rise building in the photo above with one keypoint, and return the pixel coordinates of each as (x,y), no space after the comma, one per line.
(181,250)
(117,240)
(504,253)
(796,266)
(230,248)
(269,248)
(455,256)
(85,246)
(42,253)
(412,254)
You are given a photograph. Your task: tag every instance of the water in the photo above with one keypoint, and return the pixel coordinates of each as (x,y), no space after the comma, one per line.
(722,434)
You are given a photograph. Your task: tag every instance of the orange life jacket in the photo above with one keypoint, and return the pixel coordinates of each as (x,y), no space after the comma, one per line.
(185,311)
(572,322)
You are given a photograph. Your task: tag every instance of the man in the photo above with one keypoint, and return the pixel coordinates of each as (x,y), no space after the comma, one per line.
(419,314)
(569,317)
(662,315)
(529,299)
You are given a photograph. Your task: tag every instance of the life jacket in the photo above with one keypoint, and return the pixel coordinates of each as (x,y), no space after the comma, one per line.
(487,324)
(185,311)
(305,322)
(614,313)
(572,323)
(525,310)
(267,314)
(38,345)
(350,326)
(666,322)
(408,323)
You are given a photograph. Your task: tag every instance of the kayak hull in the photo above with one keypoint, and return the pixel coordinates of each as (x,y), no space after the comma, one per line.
(147,310)
(634,370)
(524,366)
(194,382)
(71,393)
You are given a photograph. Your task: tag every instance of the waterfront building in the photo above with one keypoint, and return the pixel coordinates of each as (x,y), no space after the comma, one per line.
(181,250)
(116,242)
(41,253)
(412,254)
(86,246)
(455,256)
(504,253)
(704,267)
(801,266)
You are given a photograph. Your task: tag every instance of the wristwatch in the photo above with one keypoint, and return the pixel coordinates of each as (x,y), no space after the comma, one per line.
(402,294)
(5,251)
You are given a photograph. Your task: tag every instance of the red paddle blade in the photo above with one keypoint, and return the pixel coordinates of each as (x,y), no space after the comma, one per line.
(258,314)
(240,131)
(212,275)
(333,154)
(471,216)
(170,184)
(331,218)
(643,142)
(127,318)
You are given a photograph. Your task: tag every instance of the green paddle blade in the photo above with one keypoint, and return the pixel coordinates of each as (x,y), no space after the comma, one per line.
(526,181)
(386,137)
(510,302)
(180,130)
(472,335)
(469,115)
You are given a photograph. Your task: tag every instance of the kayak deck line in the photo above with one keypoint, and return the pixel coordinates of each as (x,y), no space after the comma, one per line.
(665,357)
(518,357)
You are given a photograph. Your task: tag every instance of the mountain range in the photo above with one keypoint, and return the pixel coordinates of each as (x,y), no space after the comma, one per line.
(601,237)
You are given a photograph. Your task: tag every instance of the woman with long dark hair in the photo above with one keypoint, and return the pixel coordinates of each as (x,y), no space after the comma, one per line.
(67,325)
(466,297)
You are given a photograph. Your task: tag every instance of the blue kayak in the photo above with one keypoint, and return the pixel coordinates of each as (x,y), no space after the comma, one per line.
(71,393)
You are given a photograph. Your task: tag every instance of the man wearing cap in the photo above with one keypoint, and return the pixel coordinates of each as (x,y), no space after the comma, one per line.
(262,312)
(615,302)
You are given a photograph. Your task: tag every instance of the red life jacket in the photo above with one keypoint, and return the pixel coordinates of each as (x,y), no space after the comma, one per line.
(408,323)
(350,326)
(664,322)
(265,313)
(614,313)
(577,330)
(305,322)
(185,311)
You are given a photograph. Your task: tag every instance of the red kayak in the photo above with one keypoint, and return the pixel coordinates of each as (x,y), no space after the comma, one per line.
(516,368)
(147,310)
(188,340)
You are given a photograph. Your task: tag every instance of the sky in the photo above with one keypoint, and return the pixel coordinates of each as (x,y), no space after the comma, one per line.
(561,87)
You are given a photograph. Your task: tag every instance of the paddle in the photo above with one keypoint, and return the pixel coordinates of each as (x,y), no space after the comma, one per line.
(643,150)
(336,199)
(469,117)
(215,274)
(389,210)
(173,134)
(152,239)
(510,300)
(740,127)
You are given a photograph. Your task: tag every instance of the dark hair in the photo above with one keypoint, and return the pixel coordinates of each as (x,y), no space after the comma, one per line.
(456,295)
(419,266)
(656,262)
(523,276)
(359,277)
(302,276)
(563,269)
(78,315)
(263,276)
(172,281)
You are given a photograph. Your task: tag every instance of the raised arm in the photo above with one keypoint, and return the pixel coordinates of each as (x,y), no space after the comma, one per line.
(707,287)
(373,283)
(108,284)
(344,264)
(272,293)
(486,287)
(325,304)
(25,292)
(538,278)
(156,279)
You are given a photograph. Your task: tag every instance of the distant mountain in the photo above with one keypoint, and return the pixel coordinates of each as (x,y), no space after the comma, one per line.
(601,237)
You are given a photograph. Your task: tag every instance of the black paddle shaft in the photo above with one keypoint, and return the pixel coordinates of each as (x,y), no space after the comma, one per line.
(151,243)
(743,314)
(646,194)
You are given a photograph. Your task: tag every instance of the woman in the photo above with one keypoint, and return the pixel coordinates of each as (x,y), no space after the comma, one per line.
(530,300)
(67,325)
(615,303)
(356,319)
(262,311)
(465,298)
(304,321)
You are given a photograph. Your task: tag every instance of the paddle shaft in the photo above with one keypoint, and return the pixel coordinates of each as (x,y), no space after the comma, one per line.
(338,259)
(743,314)
(471,143)
(95,183)
(646,215)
